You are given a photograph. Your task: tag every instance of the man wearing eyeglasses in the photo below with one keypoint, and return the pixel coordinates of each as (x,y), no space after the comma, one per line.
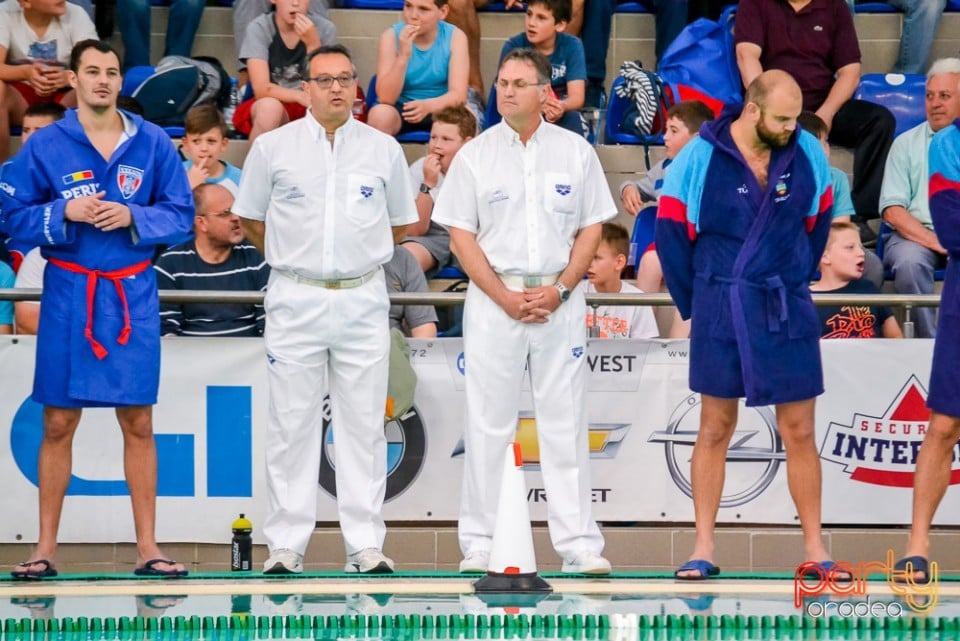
(524,203)
(320,196)
(216,259)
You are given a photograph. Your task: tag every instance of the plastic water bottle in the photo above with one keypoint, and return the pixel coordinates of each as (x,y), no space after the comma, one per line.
(232,106)
(241,548)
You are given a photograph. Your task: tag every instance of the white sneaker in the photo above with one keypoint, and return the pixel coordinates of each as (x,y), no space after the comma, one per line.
(283,562)
(586,563)
(478,561)
(369,561)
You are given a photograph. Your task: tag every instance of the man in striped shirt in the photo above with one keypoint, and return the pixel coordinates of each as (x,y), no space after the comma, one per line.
(218,258)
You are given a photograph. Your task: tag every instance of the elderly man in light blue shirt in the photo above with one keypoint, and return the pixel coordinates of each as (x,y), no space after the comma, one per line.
(911,249)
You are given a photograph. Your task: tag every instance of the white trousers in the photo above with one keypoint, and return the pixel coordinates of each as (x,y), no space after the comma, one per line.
(496,351)
(311,331)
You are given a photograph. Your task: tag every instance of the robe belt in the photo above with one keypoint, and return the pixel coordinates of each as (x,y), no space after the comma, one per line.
(776,305)
(116,276)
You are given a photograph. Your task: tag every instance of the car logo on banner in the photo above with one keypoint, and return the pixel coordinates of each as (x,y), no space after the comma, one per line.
(882,450)
(605,440)
(406,449)
(755,445)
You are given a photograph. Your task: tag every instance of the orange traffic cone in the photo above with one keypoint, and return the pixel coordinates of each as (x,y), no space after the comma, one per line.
(513,564)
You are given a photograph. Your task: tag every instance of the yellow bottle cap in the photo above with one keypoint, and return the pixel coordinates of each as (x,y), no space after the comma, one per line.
(242,523)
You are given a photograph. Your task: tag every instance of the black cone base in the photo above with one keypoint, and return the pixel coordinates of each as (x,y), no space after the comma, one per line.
(530,583)
(512,599)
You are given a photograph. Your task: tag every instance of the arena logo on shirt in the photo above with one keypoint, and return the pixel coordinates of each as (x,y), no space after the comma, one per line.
(563,190)
(366,191)
(882,450)
(129,180)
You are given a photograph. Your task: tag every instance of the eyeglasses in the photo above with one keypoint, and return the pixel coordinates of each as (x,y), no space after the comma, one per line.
(226,213)
(325,82)
(518,85)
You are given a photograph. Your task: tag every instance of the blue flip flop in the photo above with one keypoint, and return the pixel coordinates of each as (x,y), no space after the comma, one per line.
(705,568)
(823,569)
(34,570)
(917,564)
(150,569)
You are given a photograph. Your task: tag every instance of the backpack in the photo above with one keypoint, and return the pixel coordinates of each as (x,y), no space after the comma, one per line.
(702,56)
(648,102)
(178,83)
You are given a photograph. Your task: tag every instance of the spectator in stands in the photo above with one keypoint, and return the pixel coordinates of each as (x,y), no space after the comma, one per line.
(816,43)
(204,141)
(429,242)
(35,43)
(275,51)
(246,11)
(683,125)
(920,20)
(217,258)
(422,67)
(133,18)
(911,249)
(615,321)
(843,210)
(30,276)
(544,24)
(7,280)
(403,274)
(30,272)
(842,272)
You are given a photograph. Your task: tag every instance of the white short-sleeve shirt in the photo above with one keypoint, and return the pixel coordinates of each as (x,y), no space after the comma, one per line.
(328,212)
(23,45)
(526,203)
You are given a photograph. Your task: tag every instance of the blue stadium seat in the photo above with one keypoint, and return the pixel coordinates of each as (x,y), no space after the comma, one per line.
(902,94)
(643,234)
(450,272)
(616,108)
(134,77)
(632,6)
(875,7)
(953,5)
(413,136)
(385,5)
(491,116)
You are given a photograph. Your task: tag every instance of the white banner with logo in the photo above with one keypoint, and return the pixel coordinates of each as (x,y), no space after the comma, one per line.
(211,416)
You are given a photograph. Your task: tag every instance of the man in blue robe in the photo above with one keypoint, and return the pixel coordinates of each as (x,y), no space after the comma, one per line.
(934,472)
(743,219)
(98,191)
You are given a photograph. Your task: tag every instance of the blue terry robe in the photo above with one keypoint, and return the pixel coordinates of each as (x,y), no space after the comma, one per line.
(144,173)
(944,192)
(738,260)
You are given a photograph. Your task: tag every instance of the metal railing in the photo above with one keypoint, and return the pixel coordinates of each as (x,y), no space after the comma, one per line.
(451,299)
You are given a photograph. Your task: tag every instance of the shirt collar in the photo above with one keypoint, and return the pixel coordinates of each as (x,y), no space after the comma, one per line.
(511,137)
(317,131)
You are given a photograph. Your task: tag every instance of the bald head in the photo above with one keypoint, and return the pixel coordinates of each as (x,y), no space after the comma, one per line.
(773,82)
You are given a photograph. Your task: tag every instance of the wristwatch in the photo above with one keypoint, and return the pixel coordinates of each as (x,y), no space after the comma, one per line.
(424,189)
(562,290)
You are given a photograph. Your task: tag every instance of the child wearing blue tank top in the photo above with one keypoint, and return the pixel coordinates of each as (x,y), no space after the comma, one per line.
(422,67)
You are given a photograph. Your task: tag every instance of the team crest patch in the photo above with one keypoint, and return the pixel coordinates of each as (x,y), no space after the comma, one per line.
(366,191)
(563,190)
(577,351)
(129,180)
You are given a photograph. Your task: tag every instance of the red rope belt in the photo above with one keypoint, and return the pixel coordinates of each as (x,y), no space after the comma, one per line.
(116,276)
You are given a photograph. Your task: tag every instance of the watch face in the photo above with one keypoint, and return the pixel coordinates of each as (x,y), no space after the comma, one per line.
(424,189)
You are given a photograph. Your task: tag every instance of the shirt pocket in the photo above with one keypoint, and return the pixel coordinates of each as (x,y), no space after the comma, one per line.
(366,200)
(559,193)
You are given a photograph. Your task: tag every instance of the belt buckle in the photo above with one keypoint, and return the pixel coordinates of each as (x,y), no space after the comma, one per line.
(532,281)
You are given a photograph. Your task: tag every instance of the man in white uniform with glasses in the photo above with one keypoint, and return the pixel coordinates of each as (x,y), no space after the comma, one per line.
(524,203)
(320,196)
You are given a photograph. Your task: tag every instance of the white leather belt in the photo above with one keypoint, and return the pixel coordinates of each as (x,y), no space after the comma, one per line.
(514,281)
(337,283)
